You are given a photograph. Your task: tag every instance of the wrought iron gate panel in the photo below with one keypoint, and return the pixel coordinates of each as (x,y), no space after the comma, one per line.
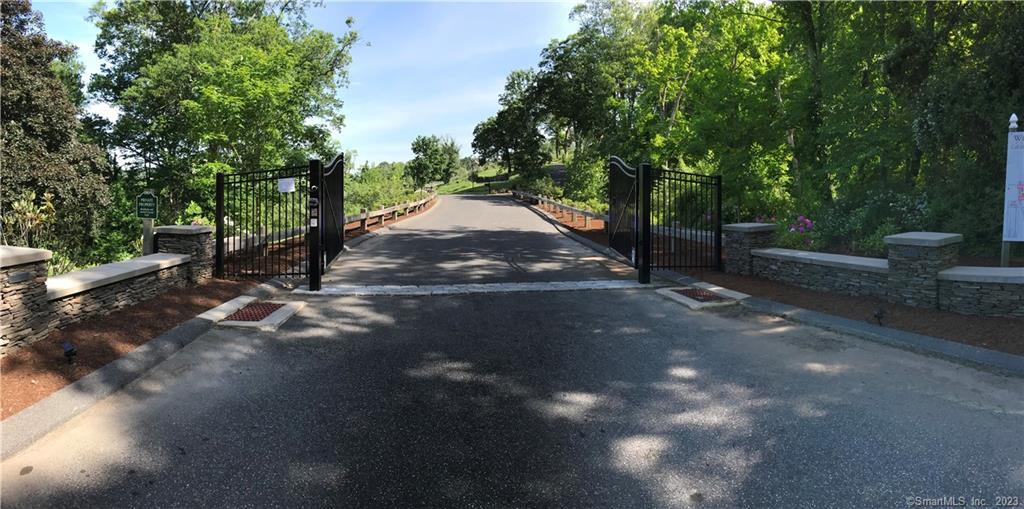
(622,213)
(262,222)
(686,220)
(664,219)
(332,210)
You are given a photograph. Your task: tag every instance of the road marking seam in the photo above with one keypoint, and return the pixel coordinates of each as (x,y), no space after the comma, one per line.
(458,289)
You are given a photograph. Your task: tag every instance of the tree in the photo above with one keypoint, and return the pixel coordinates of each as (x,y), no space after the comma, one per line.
(513,136)
(210,86)
(43,154)
(435,159)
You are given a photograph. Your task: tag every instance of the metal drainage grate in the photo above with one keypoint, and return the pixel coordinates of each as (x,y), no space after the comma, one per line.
(254,312)
(699,295)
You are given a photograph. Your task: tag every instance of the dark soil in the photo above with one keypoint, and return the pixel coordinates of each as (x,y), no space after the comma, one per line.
(29,374)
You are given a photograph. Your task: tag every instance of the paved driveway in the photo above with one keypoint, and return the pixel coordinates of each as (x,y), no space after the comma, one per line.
(614,398)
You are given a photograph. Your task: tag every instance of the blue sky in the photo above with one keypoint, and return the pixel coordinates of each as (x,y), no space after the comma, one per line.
(420,67)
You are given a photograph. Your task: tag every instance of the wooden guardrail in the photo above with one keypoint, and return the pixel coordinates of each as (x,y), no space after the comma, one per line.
(365,217)
(569,209)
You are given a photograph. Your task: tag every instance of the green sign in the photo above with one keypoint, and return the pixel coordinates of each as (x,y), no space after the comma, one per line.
(145,205)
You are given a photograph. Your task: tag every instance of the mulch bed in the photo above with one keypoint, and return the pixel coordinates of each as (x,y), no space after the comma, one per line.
(995,333)
(29,374)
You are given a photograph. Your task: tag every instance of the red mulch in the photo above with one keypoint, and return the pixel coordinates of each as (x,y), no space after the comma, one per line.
(29,374)
(254,312)
(995,333)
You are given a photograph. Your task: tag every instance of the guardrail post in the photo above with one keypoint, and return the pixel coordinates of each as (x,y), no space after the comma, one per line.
(362,221)
(643,198)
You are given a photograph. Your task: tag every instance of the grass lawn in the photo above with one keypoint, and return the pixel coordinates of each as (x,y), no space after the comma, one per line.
(462,187)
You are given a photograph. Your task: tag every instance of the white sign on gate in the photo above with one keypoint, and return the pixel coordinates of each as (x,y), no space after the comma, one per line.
(1013,212)
(286,185)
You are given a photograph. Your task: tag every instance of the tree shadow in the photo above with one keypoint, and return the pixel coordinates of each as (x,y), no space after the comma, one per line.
(620,401)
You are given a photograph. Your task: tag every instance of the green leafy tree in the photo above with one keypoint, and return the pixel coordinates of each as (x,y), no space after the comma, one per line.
(513,136)
(435,159)
(208,86)
(43,153)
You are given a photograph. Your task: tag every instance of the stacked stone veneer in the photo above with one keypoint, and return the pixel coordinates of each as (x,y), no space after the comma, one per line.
(32,305)
(848,275)
(66,310)
(740,240)
(982,291)
(24,307)
(920,271)
(195,241)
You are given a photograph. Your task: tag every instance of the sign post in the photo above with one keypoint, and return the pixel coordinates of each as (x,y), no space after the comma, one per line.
(1013,209)
(145,209)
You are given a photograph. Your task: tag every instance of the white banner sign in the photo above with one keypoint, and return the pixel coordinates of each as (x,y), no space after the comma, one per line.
(1013,213)
(286,185)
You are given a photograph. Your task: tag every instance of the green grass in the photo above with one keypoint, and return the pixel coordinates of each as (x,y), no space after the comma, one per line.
(462,187)
(467,187)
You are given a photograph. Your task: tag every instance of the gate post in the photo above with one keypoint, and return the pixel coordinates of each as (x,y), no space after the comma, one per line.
(219,235)
(314,257)
(718,223)
(643,198)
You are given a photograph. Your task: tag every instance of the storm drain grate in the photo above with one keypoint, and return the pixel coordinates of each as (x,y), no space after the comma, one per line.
(699,295)
(254,312)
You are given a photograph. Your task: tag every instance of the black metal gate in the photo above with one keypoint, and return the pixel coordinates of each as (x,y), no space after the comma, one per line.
(281,222)
(622,217)
(664,219)
(686,220)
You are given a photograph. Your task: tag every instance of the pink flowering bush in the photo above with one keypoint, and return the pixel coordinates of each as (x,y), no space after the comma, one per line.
(800,234)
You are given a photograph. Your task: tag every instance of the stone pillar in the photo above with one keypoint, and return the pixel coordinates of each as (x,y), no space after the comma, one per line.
(24,308)
(742,238)
(915,260)
(194,240)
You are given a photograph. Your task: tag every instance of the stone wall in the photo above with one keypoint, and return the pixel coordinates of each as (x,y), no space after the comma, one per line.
(977,298)
(100,301)
(193,240)
(32,305)
(23,301)
(915,260)
(740,239)
(920,271)
(823,278)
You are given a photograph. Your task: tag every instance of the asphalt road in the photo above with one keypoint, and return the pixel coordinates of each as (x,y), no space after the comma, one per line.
(615,398)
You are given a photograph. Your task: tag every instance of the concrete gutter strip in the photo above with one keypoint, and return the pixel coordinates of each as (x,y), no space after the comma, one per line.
(950,350)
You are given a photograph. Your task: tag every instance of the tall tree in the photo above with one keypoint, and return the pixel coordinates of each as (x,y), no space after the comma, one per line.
(41,146)
(513,136)
(435,159)
(217,86)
